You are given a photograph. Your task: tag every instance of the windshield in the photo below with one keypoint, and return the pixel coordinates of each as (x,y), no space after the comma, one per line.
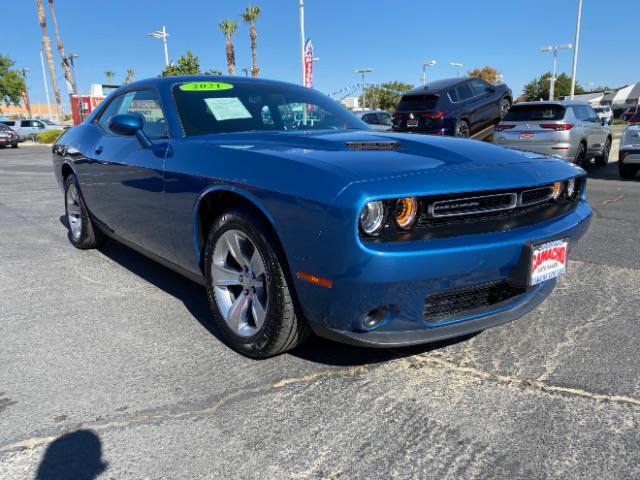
(523,113)
(214,107)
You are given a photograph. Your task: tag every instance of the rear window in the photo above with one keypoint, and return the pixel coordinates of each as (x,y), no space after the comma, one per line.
(524,113)
(410,103)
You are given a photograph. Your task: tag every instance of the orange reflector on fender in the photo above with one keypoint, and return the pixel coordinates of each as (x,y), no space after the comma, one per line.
(323,282)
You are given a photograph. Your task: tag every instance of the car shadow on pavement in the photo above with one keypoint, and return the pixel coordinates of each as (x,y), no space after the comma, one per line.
(609,172)
(73,456)
(194,298)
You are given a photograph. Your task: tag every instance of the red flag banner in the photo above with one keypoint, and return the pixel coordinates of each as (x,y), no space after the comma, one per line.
(308,64)
(26,101)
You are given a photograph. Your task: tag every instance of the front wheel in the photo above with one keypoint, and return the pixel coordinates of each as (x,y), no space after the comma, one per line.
(247,287)
(14,145)
(462,129)
(82,232)
(581,155)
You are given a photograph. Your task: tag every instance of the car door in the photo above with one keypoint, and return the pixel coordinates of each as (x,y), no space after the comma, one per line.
(591,127)
(124,182)
(599,130)
(487,105)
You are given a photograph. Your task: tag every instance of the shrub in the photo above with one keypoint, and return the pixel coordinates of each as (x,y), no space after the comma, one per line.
(49,136)
(619,121)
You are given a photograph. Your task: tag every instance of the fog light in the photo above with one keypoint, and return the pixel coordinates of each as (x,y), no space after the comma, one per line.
(374,318)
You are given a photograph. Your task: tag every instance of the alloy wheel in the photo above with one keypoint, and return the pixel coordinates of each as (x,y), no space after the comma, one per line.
(239,282)
(504,107)
(74,212)
(462,130)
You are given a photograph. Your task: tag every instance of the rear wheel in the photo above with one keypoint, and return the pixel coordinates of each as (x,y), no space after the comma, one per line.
(247,288)
(505,105)
(581,155)
(462,129)
(627,171)
(603,160)
(14,145)
(82,232)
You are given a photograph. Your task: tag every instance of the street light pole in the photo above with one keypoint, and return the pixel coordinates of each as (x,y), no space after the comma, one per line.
(163,35)
(575,51)
(46,87)
(430,63)
(71,60)
(246,72)
(552,80)
(304,77)
(24,71)
(364,71)
(457,66)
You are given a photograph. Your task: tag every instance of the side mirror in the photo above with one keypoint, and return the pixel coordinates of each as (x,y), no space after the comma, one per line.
(130,124)
(126,124)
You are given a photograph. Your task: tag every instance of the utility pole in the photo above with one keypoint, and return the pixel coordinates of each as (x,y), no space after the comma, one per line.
(363,72)
(24,71)
(554,49)
(430,63)
(575,51)
(246,71)
(304,78)
(46,87)
(71,59)
(163,35)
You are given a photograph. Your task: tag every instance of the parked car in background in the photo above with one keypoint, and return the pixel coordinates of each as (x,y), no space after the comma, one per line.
(369,238)
(567,129)
(8,136)
(458,106)
(629,153)
(605,113)
(630,113)
(378,119)
(28,129)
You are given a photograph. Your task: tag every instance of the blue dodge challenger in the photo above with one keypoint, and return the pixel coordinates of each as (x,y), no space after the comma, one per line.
(297,217)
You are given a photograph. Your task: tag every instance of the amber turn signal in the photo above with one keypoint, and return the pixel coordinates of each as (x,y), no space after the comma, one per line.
(323,282)
(406,211)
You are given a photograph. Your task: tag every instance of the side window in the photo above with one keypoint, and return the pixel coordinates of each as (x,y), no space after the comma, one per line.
(370,118)
(143,102)
(385,119)
(463,92)
(267,118)
(25,123)
(479,87)
(591,114)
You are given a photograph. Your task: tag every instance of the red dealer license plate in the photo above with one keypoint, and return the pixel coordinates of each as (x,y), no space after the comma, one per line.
(548,260)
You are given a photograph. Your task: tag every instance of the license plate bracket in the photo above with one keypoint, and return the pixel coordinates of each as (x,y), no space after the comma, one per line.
(548,260)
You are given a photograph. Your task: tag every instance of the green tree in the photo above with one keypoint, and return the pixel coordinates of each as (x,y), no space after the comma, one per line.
(213,71)
(188,64)
(488,74)
(109,74)
(250,16)
(538,88)
(11,82)
(229,28)
(383,96)
(129,78)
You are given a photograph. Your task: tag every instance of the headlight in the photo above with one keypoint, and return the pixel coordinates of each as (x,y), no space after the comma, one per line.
(405,212)
(372,217)
(571,188)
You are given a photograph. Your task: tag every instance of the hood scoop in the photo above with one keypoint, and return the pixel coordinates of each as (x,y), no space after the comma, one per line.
(373,145)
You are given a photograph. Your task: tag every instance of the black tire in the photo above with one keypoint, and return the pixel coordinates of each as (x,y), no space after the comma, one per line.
(14,145)
(581,155)
(462,129)
(283,327)
(505,105)
(627,171)
(89,236)
(603,160)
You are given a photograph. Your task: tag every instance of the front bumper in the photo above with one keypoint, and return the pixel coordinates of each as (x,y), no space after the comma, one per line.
(400,276)
(8,141)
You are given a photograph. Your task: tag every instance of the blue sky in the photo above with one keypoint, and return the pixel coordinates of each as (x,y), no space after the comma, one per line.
(392,37)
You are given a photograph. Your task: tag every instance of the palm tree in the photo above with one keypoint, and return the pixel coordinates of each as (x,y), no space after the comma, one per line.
(46,45)
(109,74)
(65,64)
(129,77)
(250,16)
(229,28)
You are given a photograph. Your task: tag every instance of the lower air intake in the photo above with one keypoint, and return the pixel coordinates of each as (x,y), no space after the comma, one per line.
(439,307)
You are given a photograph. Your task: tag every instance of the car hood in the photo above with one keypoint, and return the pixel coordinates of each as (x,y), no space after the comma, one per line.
(409,161)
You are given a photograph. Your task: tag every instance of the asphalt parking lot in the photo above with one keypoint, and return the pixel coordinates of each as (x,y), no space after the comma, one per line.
(110,363)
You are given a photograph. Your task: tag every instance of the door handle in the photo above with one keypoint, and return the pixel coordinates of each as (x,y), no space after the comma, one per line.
(99,150)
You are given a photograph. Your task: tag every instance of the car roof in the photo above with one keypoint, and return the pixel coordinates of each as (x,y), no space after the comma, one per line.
(168,81)
(437,86)
(563,103)
(364,112)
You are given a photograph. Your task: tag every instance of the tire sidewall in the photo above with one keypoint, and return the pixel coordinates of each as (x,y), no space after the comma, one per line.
(85,240)
(257,344)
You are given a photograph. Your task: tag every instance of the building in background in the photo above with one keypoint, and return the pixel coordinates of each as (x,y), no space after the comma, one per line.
(38,110)
(352,103)
(83,105)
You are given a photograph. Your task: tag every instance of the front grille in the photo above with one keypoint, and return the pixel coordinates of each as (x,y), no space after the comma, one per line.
(473,205)
(537,195)
(439,307)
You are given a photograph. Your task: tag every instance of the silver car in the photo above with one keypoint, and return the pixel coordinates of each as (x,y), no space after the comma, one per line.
(629,156)
(378,119)
(567,129)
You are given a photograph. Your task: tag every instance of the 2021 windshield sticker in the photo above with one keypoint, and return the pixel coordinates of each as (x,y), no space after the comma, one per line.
(205,86)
